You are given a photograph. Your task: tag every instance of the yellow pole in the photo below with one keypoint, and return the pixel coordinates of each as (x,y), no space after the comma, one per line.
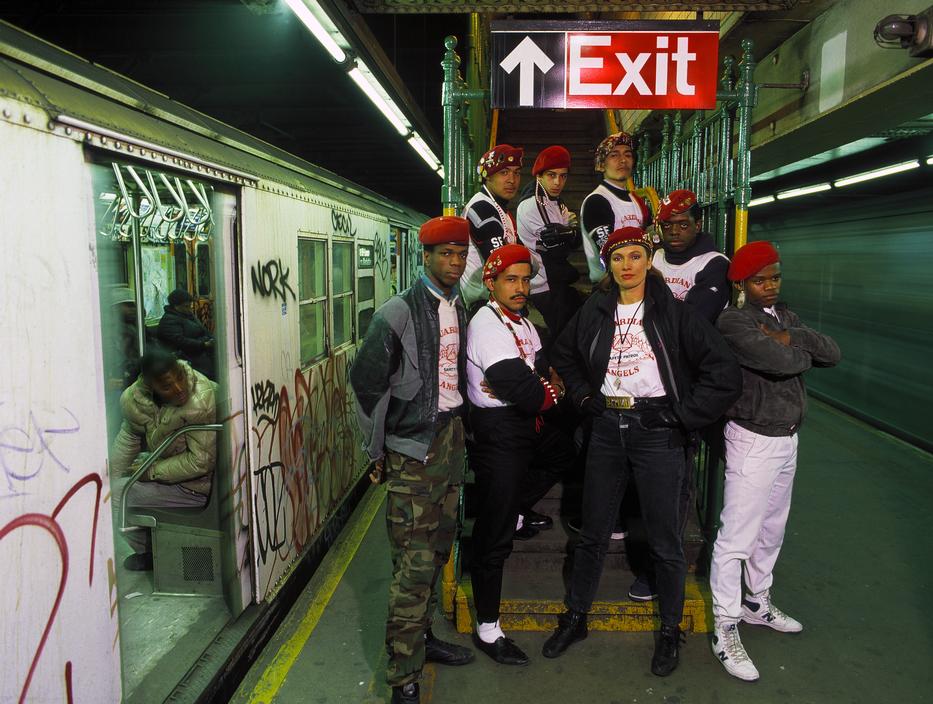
(450,211)
(494,128)
(741,227)
(611,121)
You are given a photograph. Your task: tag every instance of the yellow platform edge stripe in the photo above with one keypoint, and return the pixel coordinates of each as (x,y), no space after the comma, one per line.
(329,576)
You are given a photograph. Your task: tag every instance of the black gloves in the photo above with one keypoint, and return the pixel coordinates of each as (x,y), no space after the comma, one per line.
(593,405)
(655,418)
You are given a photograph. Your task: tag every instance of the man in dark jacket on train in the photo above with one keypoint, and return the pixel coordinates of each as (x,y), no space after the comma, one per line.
(409,378)
(180,331)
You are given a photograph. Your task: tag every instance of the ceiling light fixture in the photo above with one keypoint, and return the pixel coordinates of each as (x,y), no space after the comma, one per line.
(380,102)
(930,161)
(760,201)
(317,29)
(420,146)
(803,191)
(877,173)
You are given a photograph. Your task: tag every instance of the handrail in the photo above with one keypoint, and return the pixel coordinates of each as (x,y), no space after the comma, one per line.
(148,462)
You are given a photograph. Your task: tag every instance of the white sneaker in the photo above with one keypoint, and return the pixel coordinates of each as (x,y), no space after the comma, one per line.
(727,646)
(758,610)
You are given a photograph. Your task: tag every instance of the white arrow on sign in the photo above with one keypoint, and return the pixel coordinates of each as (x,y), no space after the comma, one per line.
(527,55)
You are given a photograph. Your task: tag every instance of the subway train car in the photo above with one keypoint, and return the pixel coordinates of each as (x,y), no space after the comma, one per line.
(112,197)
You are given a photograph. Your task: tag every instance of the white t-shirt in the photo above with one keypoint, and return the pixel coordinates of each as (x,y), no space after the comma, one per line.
(448,392)
(681,277)
(530,224)
(633,369)
(626,213)
(489,341)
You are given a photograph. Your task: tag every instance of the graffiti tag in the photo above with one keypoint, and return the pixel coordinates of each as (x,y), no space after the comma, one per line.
(342,223)
(271,280)
(265,398)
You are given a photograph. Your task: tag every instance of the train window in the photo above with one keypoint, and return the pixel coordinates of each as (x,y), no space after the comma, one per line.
(342,292)
(367,288)
(180,257)
(312,292)
(365,318)
(204,270)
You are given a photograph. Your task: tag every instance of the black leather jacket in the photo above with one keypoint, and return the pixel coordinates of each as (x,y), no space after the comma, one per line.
(700,375)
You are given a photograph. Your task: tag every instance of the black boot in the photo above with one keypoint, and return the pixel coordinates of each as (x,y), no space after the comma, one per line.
(406,694)
(444,653)
(666,651)
(571,627)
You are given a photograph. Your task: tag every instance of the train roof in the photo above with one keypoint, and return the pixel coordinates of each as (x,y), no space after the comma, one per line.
(65,85)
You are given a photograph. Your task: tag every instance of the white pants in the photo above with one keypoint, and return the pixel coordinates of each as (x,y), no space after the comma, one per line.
(759,481)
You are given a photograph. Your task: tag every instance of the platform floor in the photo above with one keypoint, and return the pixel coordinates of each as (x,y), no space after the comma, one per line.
(856,570)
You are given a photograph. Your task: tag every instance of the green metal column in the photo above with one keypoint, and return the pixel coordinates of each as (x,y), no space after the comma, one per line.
(748,97)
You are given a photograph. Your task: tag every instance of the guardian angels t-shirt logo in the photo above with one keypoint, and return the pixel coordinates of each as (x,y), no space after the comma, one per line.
(447,360)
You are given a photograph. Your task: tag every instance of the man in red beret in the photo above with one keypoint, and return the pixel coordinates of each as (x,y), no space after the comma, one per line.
(611,206)
(409,379)
(548,228)
(688,259)
(516,455)
(491,225)
(774,350)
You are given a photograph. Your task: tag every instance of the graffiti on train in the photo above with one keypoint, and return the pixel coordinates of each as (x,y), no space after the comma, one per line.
(307,459)
(381,257)
(342,223)
(265,398)
(26,448)
(270,280)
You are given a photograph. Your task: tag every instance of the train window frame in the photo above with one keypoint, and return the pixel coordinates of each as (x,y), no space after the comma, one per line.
(323,300)
(350,293)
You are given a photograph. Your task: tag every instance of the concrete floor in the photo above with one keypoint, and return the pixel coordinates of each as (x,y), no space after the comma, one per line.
(855,569)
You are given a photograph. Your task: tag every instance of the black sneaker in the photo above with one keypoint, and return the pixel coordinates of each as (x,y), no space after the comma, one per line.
(643,589)
(444,653)
(667,651)
(406,694)
(575,524)
(533,519)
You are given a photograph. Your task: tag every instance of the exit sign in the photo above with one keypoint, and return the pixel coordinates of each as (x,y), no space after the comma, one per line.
(627,65)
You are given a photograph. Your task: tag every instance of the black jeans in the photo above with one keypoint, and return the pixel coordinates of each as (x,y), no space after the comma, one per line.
(620,450)
(515,466)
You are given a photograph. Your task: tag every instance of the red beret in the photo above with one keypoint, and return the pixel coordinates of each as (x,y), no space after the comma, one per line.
(447,229)
(610,143)
(624,237)
(553,157)
(677,202)
(752,258)
(505,256)
(501,156)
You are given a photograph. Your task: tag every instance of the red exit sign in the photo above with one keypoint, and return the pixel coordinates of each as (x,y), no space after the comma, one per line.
(630,65)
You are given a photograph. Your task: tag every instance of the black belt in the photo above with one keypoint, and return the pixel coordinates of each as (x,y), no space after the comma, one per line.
(634,403)
(444,417)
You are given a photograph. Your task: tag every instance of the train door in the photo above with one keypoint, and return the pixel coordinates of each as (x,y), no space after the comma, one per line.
(167,270)
(406,257)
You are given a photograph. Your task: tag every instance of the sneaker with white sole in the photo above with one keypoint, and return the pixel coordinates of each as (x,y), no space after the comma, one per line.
(728,648)
(758,610)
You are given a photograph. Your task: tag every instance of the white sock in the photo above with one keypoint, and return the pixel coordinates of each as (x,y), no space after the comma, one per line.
(520,523)
(489,632)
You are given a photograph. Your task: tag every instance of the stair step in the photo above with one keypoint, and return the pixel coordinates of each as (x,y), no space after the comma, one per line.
(532,601)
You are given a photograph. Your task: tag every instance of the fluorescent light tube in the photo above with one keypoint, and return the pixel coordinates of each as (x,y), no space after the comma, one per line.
(377,100)
(317,29)
(930,161)
(760,201)
(803,191)
(424,151)
(877,173)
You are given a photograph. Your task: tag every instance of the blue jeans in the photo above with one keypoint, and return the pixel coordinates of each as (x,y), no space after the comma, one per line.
(621,449)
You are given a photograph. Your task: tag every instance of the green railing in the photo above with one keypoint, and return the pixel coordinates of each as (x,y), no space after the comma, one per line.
(465,119)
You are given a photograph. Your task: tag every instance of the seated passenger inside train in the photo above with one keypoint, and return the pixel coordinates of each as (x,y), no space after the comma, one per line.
(168,395)
(181,331)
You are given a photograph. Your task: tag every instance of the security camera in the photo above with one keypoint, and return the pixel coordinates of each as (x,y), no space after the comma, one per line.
(911,32)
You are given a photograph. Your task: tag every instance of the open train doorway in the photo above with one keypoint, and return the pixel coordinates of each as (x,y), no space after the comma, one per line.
(169,291)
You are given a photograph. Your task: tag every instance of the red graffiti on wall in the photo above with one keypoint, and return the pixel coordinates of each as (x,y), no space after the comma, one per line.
(307,452)
(49,523)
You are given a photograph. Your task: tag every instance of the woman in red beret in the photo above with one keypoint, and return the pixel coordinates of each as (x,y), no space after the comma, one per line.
(648,372)
(774,349)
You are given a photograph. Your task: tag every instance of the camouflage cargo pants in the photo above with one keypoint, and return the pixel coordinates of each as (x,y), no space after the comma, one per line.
(421,516)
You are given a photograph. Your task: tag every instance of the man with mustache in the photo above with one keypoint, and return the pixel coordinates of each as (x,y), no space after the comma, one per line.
(516,455)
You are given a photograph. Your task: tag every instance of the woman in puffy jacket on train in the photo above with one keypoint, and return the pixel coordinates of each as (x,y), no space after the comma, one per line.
(168,395)
(648,372)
